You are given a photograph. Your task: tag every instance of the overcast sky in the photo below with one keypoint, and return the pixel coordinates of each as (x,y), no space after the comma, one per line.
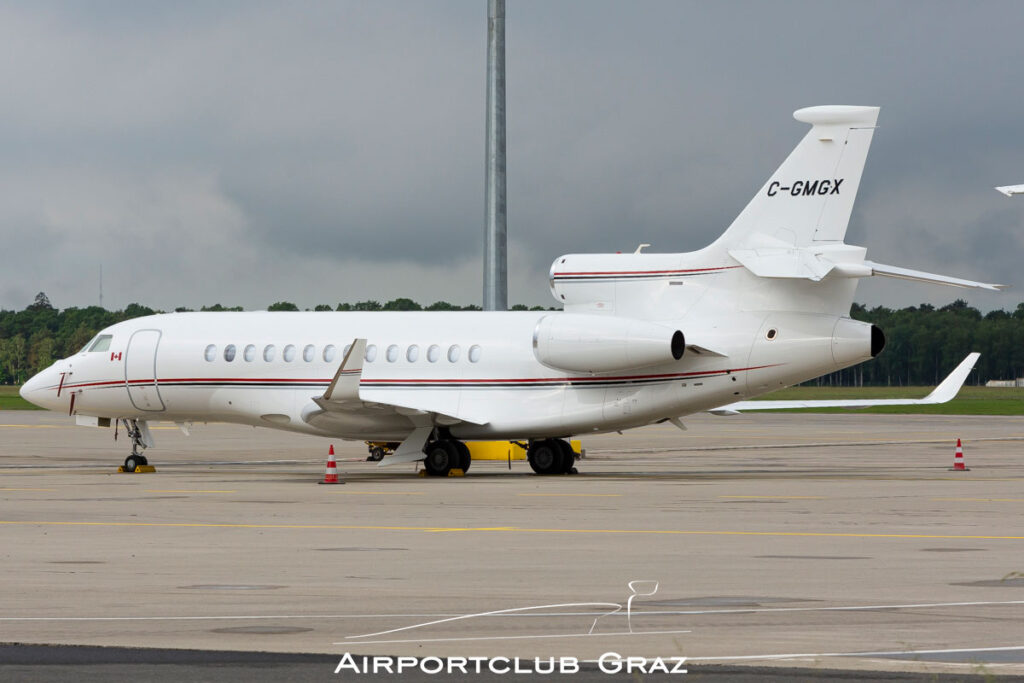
(318,152)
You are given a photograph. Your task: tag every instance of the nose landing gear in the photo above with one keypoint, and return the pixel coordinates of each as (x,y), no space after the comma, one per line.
(138,432)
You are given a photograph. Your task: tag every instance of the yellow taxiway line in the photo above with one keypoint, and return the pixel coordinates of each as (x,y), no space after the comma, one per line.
(779,497)
(191,491)
(575,495)
(360,527)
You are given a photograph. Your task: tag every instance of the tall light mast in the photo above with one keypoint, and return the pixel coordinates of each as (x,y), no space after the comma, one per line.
(495,235)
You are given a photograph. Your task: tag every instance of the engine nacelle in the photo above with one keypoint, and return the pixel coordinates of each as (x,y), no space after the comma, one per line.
(598,343)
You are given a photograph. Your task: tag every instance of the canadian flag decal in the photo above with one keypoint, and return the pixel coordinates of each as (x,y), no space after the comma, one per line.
(115,356)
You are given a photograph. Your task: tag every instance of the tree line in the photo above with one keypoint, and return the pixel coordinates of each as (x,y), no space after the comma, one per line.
(33,338)
(923,343)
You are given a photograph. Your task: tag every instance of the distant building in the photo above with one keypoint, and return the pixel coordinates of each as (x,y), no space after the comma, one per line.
(1019,382)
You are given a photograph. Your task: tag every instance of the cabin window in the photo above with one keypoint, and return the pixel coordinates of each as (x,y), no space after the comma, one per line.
(102,343)
(348,347)
(371,353)
(289,353)
(474,353)
(412,354)
(329,352)
(210,353)
(453,353)
(229,352)
(433,353)
(308,353)
(771,334)
(268,352)
(250,353)
(392,353)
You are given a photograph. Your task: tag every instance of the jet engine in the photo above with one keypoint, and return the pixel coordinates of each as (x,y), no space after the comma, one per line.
(597,343)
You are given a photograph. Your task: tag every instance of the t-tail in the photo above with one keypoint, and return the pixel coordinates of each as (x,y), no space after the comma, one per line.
(784,251)
(808,200)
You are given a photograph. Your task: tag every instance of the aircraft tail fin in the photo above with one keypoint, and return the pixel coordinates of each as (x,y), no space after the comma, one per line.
(808,200)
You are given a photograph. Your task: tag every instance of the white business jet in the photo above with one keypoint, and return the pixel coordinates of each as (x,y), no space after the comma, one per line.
(643,338)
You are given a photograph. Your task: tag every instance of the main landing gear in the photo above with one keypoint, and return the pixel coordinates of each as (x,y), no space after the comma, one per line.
(445,455)
(134,432)
(546,456)
(552,456)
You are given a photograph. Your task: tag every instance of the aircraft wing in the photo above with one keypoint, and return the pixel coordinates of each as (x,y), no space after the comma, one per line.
(350,392)
(1010,190)
(943,393)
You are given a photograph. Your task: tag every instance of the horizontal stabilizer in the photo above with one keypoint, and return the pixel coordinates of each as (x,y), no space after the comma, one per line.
(943,393)
(921,276)
(816,262)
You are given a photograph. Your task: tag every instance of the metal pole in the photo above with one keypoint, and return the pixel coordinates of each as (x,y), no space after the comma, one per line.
(495,235)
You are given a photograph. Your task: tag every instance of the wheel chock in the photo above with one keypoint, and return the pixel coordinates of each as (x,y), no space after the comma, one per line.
(139,469)
(454,472)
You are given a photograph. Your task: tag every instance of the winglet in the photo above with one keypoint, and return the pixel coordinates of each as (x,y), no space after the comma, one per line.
(346,379)
(950,386)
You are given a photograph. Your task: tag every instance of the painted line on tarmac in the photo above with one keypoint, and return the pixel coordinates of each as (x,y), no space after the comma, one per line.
(168,465)
(38,426)
(16,489)
(191,491)
(638,612)
(575,495)
(984,500)
(380,493)
(531,637)
(780,497)
(663,532)
(879,653)
(799,444)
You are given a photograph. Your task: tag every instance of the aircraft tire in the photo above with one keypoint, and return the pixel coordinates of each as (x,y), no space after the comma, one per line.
(131,462)
(442,456)
(545,456)
(568,457)
(465,459)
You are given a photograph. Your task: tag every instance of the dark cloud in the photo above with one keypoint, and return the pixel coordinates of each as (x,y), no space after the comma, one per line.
(248,152)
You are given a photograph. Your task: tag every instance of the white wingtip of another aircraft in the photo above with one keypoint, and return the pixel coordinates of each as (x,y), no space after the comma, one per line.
(1010,190)
(950,386)
(945,392)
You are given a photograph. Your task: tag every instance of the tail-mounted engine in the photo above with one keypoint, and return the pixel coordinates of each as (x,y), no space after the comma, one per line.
(600,343)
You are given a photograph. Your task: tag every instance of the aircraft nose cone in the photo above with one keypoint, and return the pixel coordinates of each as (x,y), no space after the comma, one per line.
(31,390)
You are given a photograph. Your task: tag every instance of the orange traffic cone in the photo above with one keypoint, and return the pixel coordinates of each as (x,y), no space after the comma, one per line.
(958,459)
(331,475)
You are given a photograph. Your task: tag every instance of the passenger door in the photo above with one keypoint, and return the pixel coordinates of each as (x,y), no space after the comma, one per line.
(140,371)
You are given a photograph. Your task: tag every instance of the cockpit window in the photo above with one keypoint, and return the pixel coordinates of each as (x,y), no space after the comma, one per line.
(87,345)
(102,343)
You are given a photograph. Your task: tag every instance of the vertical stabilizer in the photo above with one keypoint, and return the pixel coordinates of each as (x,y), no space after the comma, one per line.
(809,198)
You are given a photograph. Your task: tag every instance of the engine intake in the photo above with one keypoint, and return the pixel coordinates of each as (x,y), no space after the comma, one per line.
(597,343)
